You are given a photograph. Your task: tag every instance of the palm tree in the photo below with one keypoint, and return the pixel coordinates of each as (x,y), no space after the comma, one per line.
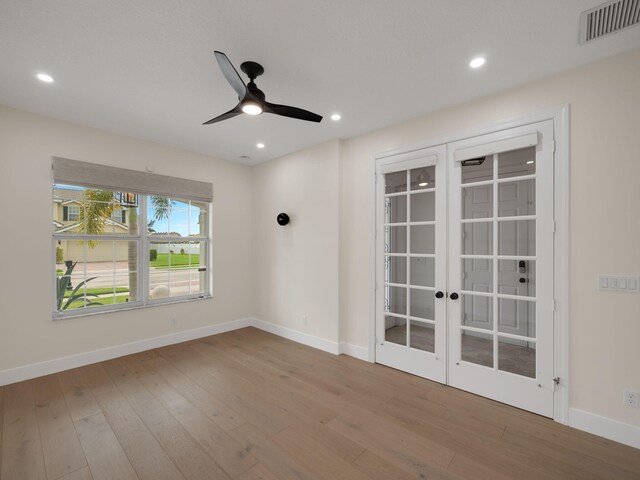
(97,208)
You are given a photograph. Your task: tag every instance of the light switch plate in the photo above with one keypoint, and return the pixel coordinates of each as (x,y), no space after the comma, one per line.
(619,283)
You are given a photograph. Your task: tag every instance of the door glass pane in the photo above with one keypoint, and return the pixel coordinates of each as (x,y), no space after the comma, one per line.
(472,172)
(517,163)
(422,336)
(477,238)
(395,330)
(422,178)
(517,237)
(423,271)
(517,277)
(477,275)
(517,356)
(396,269)
(477,202)
(423,207)
(395,182)
(517,198)
(422,304)
(477,348)
(396,239)
(423,239)
(396,209)
(477,311)
(396,300)
(517,317)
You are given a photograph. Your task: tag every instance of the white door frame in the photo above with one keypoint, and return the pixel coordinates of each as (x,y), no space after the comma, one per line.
(560,117)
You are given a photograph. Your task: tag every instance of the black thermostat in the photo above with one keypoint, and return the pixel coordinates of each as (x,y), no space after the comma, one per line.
(282,219)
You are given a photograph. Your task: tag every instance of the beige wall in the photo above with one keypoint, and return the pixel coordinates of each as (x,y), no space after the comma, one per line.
(296,270)
(318,265)
(27,333)
(605,224)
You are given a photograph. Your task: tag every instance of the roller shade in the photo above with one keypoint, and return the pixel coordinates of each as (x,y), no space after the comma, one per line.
(92,175)
(498,146)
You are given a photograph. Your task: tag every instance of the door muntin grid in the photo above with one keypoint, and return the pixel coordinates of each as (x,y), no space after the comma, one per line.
(409,262)
(497,262)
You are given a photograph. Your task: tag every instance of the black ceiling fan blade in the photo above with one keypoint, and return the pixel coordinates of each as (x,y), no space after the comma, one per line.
(230,114)
(292,112)
(231,74)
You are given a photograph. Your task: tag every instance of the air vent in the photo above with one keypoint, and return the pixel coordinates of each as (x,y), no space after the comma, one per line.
(608,18)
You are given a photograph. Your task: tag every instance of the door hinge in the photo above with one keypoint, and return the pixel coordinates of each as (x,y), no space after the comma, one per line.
(553,304)
(555,225)
(553,146)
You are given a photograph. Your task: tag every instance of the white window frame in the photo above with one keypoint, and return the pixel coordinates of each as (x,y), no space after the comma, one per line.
(144,241)
(116,216)
(76,209)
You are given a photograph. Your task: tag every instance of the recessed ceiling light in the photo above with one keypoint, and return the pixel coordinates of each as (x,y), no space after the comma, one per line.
(260,145)
(529,162)
(477,62)
(43,77)
(335,117)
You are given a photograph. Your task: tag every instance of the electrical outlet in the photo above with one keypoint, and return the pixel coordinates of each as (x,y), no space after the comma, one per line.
(304,320)
(172,321)
(631,399)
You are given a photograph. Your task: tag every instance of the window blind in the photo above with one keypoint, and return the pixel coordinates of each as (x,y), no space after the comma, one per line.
(498,146)
(92,175)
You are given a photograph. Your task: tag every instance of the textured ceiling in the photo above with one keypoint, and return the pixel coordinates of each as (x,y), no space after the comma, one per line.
(145,68)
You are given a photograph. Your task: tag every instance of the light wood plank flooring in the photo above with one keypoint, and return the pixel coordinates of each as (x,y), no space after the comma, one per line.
(248,405)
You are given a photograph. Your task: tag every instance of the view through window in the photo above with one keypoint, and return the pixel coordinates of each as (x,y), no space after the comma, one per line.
(121,249)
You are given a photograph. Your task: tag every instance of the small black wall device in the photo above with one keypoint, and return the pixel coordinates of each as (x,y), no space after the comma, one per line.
(282,219)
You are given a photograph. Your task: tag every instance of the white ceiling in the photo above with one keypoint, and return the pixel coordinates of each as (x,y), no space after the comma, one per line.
(145,68)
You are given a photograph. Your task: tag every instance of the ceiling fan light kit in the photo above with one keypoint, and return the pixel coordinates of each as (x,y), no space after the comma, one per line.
(251,100)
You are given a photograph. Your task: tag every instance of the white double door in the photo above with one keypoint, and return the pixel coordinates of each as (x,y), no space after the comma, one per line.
(464,265)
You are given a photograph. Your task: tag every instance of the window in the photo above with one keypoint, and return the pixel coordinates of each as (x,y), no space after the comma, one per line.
(127,249)
(119,215)
(71,213)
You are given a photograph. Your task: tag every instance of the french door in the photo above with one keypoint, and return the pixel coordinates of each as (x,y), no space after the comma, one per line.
(411,263)
(465,265)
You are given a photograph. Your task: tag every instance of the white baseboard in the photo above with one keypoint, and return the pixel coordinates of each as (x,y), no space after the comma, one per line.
(605,427)
(35,370)
(355,351)
(296,336)
(589,422)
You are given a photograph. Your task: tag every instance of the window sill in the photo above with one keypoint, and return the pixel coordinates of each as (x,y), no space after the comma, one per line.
(135,306)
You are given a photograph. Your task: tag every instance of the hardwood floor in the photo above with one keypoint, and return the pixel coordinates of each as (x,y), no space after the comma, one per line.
(249,405)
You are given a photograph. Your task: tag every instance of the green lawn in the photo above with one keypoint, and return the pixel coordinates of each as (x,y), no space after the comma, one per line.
(178,260)
(97,291)
(104,301)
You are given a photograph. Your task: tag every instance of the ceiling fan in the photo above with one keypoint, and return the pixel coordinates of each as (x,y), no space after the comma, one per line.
(251,98)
